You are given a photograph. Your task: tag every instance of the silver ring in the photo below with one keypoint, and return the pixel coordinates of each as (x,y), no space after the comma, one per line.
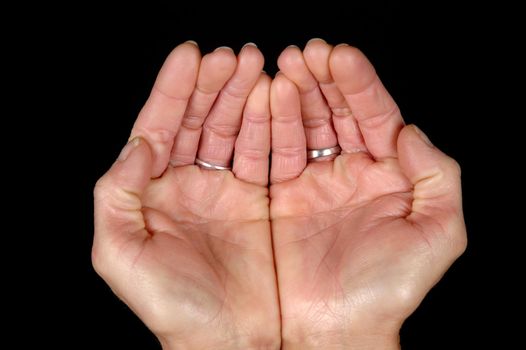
(323,152)
(208,166)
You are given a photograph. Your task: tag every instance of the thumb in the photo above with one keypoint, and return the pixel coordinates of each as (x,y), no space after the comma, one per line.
(437,197)
(118,193)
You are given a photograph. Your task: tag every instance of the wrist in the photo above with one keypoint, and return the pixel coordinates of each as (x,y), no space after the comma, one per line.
(328,342)
(245,345)
(340,339)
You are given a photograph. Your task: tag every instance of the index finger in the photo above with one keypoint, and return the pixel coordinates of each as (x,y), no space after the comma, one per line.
(377,114)
(161,116)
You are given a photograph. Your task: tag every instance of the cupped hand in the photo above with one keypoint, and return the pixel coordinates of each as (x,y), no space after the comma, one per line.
(360,239)
(189,250)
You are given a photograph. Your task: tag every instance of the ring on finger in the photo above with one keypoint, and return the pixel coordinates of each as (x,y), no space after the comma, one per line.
(314,154)
(209,166)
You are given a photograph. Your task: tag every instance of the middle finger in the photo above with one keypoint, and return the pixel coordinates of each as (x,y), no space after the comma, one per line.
(224,121)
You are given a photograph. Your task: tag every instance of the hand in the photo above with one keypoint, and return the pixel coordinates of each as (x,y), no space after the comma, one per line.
(189,250)
(360,239)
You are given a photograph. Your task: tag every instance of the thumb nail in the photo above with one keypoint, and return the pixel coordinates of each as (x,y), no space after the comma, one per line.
(423,136)
(129,148)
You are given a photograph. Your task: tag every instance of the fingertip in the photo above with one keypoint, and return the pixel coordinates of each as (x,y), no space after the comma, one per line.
(351,69)
(252,55)
(316,40)
(189,47)
(264,75)
(264,82)
(249,44)
(130,146)
(222,54)
(283,89)
(133,167)
(183,62)
(262,87)
(137,149)
(349,58)
(260,92)
(290,58)
(225,48)
(316,55)
(316,46)
(218,66)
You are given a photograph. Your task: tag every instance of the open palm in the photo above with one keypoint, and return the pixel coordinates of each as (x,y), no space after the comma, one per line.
(359,239)
(354,241)
(189,250)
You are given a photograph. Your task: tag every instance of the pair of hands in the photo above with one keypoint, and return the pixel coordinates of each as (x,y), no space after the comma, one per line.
(353,242)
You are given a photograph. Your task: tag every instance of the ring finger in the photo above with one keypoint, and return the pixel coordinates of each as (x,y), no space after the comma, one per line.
(222,125)
(316,114)
(215,70)
(317,53)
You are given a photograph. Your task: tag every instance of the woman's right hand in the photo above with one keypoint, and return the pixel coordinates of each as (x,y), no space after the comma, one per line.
(189,250)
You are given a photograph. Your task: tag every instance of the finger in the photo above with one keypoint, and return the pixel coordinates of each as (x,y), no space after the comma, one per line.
(251,156)
(161,116)
(316,54)
(224,121)
(118,192)
(377,114)
(289,153)
(314,110)
(215,70)
(437,203)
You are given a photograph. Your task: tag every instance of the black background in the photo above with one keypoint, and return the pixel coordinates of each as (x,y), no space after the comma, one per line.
(105,61)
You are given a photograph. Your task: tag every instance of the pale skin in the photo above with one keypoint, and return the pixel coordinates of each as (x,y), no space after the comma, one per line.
(354,242)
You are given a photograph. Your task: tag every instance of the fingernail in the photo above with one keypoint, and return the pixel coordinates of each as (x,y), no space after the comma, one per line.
(224,47)
(129,148)
(293,47)
(342,44)
(316,39)
(250,44)
(423,136)
(192,42)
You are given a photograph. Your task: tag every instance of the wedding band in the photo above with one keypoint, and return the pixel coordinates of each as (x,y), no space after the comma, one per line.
(323,152)
(208,166)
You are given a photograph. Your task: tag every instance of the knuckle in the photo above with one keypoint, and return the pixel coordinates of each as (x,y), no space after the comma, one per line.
(459,243)
(283,178)
(101,187)
(449,170)
(341,112)
(257,118)
(378,119)
(223,130)
(161,135)
(155,135)
(253,154)
(321,121)
(453,167)
(236,92)
(289,152)
(98,262)
(193,122)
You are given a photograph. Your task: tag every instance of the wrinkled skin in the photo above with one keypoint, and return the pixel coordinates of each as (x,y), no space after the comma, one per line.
(359,239)
(189,250)
(354,241)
